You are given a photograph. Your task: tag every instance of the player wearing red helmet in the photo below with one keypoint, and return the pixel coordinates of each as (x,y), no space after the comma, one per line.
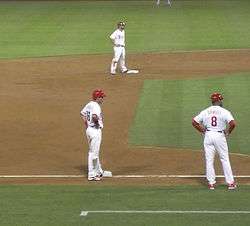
(92,117)
(216,123)
(98,93)
(216,97)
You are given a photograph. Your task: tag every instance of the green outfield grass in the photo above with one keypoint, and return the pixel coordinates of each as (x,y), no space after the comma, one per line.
(48,28)
(61,205)
(166,108)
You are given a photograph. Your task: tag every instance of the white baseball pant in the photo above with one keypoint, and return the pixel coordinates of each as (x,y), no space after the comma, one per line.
(94,137)
(119,57)
(216,141)
(168,2)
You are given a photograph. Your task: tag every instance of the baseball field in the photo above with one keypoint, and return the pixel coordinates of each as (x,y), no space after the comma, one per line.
(53,54)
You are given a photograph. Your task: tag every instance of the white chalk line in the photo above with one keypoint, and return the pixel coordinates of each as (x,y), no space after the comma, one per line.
(157,148)
(116,176)
(206,50)
(85,213)
(238,154)
(42,176)
(173,176)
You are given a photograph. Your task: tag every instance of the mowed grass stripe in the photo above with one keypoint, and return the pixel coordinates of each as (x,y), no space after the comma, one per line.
(61,204)
(166,108)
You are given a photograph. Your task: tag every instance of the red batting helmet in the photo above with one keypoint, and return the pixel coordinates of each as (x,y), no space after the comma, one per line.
(97,94)
(216,97)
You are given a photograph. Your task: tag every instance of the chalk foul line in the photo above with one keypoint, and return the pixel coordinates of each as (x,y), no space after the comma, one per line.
(118,176)
(86,212)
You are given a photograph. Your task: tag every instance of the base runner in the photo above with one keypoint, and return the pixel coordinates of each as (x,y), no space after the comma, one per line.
(92,117)
(118,41)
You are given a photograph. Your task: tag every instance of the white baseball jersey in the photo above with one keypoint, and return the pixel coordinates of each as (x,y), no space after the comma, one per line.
(119,37)
(214,118)
(92,108)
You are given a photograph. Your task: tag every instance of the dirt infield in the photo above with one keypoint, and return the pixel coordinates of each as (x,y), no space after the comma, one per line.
(41,130)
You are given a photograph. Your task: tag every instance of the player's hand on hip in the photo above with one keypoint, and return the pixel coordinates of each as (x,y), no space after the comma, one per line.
(226,133)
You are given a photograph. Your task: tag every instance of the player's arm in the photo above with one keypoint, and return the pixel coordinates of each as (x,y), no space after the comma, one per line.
(95,119)
(230,128)
(231,123)
(198,126)
(112,41)
(112,38)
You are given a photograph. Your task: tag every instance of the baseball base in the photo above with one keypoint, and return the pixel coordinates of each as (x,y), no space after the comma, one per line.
(132,71)
(107,173)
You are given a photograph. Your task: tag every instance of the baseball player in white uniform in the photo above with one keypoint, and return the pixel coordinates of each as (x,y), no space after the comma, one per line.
(216,123)
(167,1)
(93,121)
(118,40)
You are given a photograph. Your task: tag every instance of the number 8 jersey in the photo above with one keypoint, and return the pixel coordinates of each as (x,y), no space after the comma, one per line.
(214,118)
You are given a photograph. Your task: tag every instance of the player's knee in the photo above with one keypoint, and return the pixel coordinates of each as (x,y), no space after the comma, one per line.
(93,156)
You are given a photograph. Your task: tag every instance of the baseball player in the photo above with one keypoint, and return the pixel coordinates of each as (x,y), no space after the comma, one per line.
(216,123)
(93,121)
(167,1)
(118,41)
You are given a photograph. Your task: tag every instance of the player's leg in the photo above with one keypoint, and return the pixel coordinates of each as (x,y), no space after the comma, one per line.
(158,2)
(222,148)
(169,2)
(122,61)
(209,158)
(91,168)
(117,54)
(94,144)
(99,170)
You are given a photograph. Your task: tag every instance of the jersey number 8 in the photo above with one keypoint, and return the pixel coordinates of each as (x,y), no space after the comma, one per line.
(213,121)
